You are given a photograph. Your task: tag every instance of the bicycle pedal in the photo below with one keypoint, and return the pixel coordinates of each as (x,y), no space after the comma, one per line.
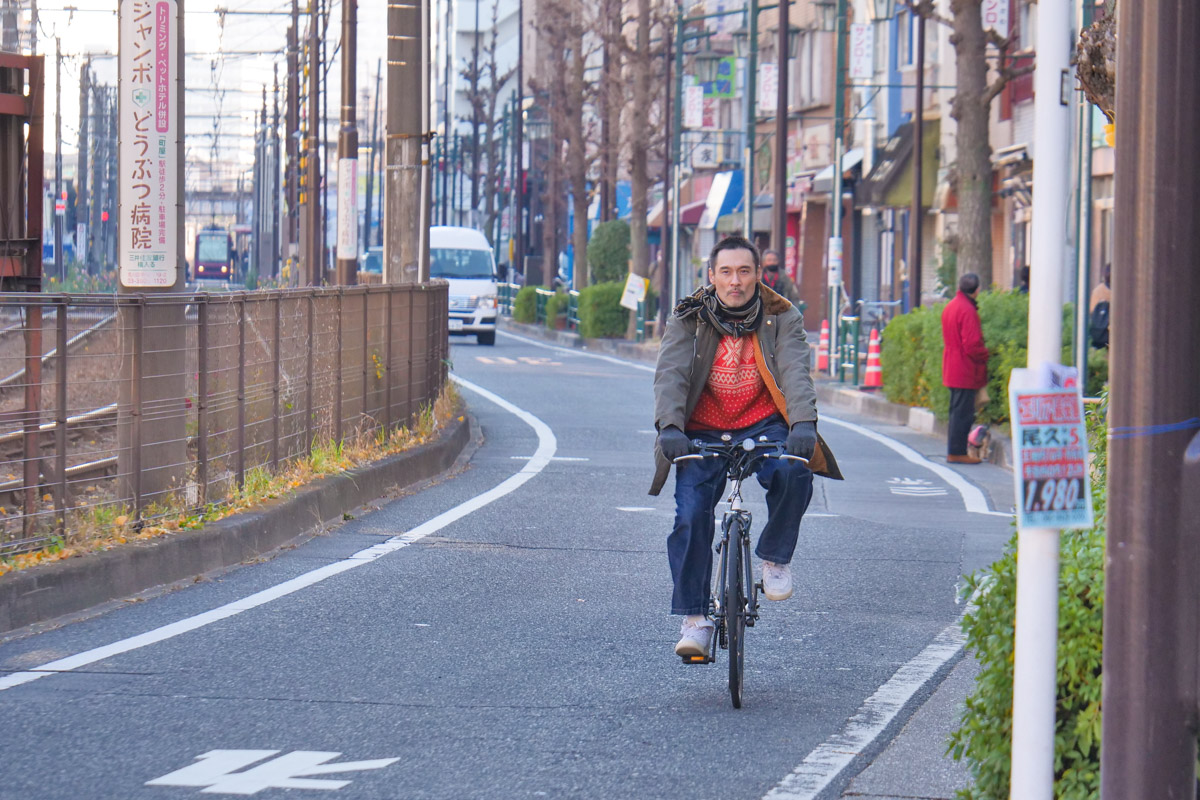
(697,659)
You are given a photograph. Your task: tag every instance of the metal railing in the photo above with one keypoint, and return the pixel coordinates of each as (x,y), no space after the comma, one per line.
(180,396)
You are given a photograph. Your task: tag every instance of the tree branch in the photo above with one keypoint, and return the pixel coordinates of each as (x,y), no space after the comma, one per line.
(1006,74)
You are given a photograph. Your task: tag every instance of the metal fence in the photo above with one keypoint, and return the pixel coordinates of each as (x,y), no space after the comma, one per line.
(168,401)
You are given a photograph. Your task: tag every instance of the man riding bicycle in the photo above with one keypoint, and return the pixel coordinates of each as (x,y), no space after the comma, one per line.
(734,359)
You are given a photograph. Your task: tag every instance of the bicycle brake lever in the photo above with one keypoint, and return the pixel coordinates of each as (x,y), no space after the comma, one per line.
(688,457)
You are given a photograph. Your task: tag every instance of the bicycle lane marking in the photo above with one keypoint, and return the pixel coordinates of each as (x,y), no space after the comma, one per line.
(547,446)
(973,499)
(822,766)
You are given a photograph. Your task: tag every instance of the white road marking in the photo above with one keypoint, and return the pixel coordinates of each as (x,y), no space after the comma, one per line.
(556,458)
(823,765)
(568,351)
(634,508)
(972,497)
(215,770)
(547,444)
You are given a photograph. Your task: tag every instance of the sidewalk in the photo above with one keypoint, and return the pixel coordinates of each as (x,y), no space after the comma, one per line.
(914,764)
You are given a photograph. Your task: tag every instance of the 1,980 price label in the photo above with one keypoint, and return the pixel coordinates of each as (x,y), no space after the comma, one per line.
(1064,494)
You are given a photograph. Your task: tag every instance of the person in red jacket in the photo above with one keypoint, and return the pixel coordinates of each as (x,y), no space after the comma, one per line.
(964,365)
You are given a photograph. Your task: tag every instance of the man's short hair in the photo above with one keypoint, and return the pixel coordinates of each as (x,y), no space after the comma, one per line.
(968,283)
(735,242)
(766,253)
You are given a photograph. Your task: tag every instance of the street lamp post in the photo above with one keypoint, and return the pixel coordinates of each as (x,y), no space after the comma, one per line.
(748,37)
(837,24)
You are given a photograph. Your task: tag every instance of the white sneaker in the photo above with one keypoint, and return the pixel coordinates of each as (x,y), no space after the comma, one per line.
(697,638)
(777,581)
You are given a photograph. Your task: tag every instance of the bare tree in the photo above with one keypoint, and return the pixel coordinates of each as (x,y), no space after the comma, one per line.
(1096,62)
(493,179)
(971,108)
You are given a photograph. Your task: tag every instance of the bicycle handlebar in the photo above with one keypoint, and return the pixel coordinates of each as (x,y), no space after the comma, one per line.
(731,451)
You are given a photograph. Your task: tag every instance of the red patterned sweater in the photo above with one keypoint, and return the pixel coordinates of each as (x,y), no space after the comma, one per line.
(735,396)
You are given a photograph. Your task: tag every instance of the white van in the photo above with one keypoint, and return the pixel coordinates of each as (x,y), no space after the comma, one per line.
(463,257)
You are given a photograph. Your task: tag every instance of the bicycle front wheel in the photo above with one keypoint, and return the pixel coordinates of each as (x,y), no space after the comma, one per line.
(735,613)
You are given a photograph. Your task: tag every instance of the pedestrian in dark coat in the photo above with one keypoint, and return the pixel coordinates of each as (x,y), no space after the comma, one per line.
(964,365)
(777,278)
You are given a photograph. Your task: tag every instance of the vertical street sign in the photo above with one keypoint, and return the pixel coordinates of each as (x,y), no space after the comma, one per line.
(1050,450)
(768,88)
(693,107)
(347,217)
(862,51)
(995,16)
(148,155)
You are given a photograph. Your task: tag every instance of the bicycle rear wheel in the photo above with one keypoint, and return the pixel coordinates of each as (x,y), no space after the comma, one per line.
(735,612)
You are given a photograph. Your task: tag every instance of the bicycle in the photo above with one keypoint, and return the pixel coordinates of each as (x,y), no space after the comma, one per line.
(731,608)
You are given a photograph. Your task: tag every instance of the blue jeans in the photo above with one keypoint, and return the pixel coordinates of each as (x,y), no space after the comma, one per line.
(699,486)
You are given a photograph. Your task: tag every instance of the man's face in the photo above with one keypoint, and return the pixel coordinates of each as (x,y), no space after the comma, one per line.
(734,276)
(771,261)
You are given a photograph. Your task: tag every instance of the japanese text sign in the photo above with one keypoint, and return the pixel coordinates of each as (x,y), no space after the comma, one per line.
(1050,449)
(862,51)
(149,124)
(995,16)
(693,115)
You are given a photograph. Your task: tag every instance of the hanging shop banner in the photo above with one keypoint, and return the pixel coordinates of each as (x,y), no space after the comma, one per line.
(148,160)
(693,109)
(995,16)
(1050,450)
(725,84)
(862,51)
(768,89)
(347,217)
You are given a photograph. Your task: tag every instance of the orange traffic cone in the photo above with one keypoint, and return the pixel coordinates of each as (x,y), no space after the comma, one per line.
(874,378)
(823,347)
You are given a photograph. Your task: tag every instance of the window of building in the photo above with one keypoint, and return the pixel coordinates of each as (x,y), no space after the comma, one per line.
(811,70)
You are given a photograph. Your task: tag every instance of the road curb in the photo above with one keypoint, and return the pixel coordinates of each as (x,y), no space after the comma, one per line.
(52,590)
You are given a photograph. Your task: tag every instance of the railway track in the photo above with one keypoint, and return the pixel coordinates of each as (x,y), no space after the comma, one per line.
(17,379)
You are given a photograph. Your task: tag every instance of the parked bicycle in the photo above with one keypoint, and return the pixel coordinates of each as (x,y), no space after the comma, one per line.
(733,601)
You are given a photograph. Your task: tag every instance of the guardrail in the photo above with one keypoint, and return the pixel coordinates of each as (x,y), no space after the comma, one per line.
(194,391)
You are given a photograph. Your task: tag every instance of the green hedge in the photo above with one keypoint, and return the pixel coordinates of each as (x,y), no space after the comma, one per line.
(525,305)
(600,311)
(554,307)
(984,737)
(911,354)
(608,252)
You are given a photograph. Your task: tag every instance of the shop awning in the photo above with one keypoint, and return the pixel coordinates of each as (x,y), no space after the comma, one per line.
(691,212)
(723,197)
(764,204)
(823,182)
(890,182)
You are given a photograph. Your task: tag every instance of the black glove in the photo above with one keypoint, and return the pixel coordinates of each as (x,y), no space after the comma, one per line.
(673,442)
(802,440)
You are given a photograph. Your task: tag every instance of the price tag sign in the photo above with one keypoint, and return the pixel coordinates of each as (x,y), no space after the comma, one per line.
(1050,449)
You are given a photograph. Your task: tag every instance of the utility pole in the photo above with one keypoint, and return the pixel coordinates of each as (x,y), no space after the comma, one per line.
(370,211)
(519,176)
(81,171)
(917,213)
(347,219)
(781,131)
(291,146)
(447,187)
(60,262)
(313,262)
(1035,687)
(406,219)
(274,182)
(1151,605)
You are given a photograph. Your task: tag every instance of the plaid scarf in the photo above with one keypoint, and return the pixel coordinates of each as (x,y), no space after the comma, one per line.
(731,321)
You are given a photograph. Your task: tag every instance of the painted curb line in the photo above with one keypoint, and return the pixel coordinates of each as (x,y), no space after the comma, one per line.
(64,587)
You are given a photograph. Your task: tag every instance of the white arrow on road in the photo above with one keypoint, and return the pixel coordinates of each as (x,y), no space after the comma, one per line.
(216,771)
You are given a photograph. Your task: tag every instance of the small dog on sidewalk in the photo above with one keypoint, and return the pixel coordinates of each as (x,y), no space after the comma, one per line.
(979,442)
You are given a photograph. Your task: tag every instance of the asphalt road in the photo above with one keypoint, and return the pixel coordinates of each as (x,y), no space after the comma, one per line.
(518,647)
